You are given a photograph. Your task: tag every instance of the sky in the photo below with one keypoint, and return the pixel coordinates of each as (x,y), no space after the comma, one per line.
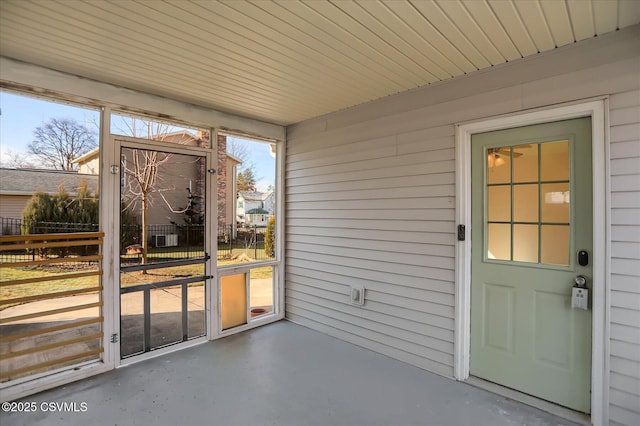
(260,156)
(20,115)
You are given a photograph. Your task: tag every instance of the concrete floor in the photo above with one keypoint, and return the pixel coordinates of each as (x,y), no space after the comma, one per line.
(279,374)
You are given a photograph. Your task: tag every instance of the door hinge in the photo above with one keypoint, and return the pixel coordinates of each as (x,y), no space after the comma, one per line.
(114,338)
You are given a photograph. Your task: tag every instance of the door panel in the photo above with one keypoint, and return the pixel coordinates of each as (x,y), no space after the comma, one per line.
(498,311)
(531,213)
(550,325)
(162,248)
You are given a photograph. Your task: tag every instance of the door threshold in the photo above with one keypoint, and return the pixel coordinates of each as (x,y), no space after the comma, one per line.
(162,351)
(549,407)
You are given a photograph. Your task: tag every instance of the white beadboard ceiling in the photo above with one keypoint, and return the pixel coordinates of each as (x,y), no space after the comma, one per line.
(286,61)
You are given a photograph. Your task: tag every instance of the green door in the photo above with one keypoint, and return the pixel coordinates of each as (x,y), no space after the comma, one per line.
(531,214)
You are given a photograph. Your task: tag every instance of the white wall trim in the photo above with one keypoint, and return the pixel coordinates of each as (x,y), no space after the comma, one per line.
(278,297)
(211,223)
(600,331)
(462,311)
(52,379)
(110,225)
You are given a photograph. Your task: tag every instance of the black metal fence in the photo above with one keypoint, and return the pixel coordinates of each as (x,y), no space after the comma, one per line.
(187,241)
(245,241)
(12,226)
(171,241)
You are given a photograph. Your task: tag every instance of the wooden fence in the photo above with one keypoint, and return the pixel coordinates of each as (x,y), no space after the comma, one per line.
(50,306)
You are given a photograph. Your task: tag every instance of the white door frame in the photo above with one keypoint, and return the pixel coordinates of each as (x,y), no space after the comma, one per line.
(596,109)
(117,142)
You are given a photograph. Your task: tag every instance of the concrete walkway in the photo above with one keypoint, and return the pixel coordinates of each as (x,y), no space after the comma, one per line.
(163,301)
(281,374)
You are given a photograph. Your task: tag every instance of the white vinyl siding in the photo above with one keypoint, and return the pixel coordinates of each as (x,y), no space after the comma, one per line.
(625,258)
(370,201)
(369,213)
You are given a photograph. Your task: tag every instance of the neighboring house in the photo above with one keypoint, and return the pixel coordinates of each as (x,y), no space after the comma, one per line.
(170,195)
(89,163)
(255,208)
(258,217)
(18,185)
(163,211)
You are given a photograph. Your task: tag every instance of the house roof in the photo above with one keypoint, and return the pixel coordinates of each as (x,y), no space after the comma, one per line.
(258,211)
(96,151)
(255,196)
(283,62)
(234,158)
(28,181)
(87,156)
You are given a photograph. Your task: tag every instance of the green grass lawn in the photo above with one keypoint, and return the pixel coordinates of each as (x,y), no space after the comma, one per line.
(127,279)
(46,287)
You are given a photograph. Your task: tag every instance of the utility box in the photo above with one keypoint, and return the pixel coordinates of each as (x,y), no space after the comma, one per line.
(165,240)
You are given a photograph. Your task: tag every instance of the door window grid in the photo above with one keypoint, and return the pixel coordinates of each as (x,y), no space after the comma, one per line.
(518,228)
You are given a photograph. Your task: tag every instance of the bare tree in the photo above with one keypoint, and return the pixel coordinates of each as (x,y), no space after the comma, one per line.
(61,140)
(142,169)
(239,151)
(142,176)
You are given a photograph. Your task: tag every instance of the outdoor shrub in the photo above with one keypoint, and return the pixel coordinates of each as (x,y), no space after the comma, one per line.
(40,208)
(61,213)
(270,238)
